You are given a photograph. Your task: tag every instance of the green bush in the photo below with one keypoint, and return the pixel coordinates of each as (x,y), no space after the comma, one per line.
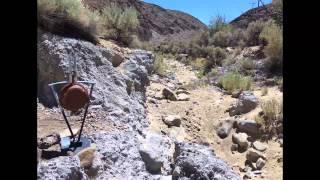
(246,64)
(68,18)
(237,38)
(217,24)
(228,61)
(253,32)
(234,81)
(160,67)
(272,112)
(215,55)
(135,42)
(221,38)
(119,24)
(278,10)
(272,34)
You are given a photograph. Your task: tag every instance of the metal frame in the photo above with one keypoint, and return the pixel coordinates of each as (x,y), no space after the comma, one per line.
(52,87)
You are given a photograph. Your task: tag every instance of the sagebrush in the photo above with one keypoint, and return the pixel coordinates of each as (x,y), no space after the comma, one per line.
(235,81)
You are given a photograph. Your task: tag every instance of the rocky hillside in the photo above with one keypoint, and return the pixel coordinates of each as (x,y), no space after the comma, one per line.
(123,146)
(156,23)
(260,13)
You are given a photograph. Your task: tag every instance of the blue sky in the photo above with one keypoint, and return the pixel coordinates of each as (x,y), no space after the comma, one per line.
(204,10)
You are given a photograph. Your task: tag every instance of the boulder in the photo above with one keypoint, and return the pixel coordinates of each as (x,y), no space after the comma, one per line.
(246,102)
(86,157)
(157,153)
(194,161)
(259,146)
(224,128)
(63,167)
(168,94)
(172,120)
(250,127)
(253,155)
(119,91)
(241,140)
(120,154)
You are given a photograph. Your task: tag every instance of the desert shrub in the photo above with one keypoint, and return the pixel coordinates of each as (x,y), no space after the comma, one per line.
(202,39)
(264,91)
(199,63)
(272,113)
(119,24)
(135,42)
(160,67)
(246,64)
(234,81)
(278,10)
(213,72)
(215,55)
(68,18)
(216,24)
(237,38)
(253,32)
(228,61)
(221,38)
(272,34)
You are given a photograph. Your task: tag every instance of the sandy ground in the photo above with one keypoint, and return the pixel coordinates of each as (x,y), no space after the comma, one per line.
(201,115)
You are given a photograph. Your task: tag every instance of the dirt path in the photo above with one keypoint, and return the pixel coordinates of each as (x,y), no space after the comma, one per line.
(201,115)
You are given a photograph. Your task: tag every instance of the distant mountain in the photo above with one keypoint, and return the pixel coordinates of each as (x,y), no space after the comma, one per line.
(260,13)
(157,23)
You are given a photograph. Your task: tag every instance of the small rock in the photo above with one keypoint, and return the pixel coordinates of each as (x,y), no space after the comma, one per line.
(49,140)
(183,97)
(224,128)
(253,155)
(172,120)
(234,147)
(117,60)
(66,132)
(182,91)
(248,126)
(259,146)
(168,94)
(260,163)
(86,157)
(241,140)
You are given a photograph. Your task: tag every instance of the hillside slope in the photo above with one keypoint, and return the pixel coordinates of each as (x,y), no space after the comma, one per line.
(260,13)
(156,23)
